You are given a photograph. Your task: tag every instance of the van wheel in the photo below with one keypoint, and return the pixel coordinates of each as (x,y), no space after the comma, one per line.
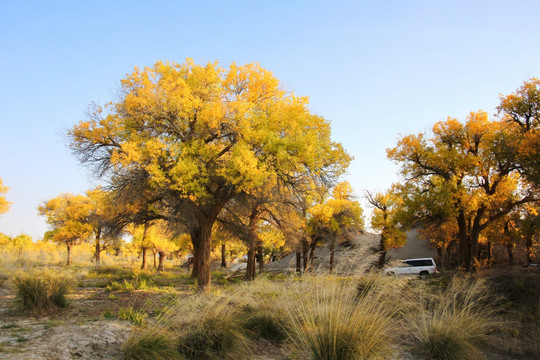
(424,274)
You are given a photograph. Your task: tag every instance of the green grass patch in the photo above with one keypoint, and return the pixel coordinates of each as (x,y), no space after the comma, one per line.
(134,316)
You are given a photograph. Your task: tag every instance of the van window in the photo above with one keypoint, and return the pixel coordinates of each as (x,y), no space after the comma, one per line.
(419,262)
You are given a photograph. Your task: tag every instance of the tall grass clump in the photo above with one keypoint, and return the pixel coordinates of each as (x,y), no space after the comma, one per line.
(150,344)
(213,329)
(263,319)
(453,324)
(329,321)
(42,291)
(201,326)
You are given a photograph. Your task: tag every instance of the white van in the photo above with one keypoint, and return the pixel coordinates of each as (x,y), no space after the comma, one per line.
(421,267)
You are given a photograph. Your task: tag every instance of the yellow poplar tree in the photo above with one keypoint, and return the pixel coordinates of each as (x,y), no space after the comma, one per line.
(68,216)
(464,173)
(4,204)
(333,218)
(385,219)
(200,135)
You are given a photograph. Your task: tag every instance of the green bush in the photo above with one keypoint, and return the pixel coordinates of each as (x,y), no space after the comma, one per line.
(41,291)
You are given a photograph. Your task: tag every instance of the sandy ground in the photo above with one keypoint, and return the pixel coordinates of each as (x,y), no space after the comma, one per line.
(78,332)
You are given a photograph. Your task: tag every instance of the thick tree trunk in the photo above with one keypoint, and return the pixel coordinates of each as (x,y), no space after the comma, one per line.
(464,258)
(200,235)
(97,255)
(143,255)
(161,256)
(475,235)
(223,259)
(298,262)
(68,261)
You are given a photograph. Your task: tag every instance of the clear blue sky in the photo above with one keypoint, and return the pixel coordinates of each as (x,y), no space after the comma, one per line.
(375,69)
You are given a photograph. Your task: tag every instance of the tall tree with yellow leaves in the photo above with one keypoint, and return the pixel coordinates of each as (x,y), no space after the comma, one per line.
(4,204)
(202,135)
(385,219)
(68,216)
(333,218)
(466,169)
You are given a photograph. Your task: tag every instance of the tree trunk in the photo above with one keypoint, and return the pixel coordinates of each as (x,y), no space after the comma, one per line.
(143,255)
(528,248)
(298,262)
(260,258)
(464,254)
(154,253)
(305,255)
(223,259)
(97,255)
(312,247)
(332,253)
(252,243)
(68,261)
(250,269)
(161,255)
(510,251)
(475,235)
(201,232)
(383,251)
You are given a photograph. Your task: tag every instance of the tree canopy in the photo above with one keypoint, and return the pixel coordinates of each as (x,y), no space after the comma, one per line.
(68,216)
(466,173)
(200,135)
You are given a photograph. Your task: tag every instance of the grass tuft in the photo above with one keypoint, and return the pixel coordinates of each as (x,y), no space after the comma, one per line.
(150,344)
(135,317)
(454,324)
(330,322)
(41,292)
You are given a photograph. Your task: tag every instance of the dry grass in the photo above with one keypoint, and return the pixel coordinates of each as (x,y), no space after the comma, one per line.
(329,321)
(41,291)
(453,324)
(150,344)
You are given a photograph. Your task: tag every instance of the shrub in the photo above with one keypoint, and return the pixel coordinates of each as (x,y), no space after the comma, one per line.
(267,324)
(150,344)
(214,330)
(41,291)
(330,322)
(213,338)
(454,323)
